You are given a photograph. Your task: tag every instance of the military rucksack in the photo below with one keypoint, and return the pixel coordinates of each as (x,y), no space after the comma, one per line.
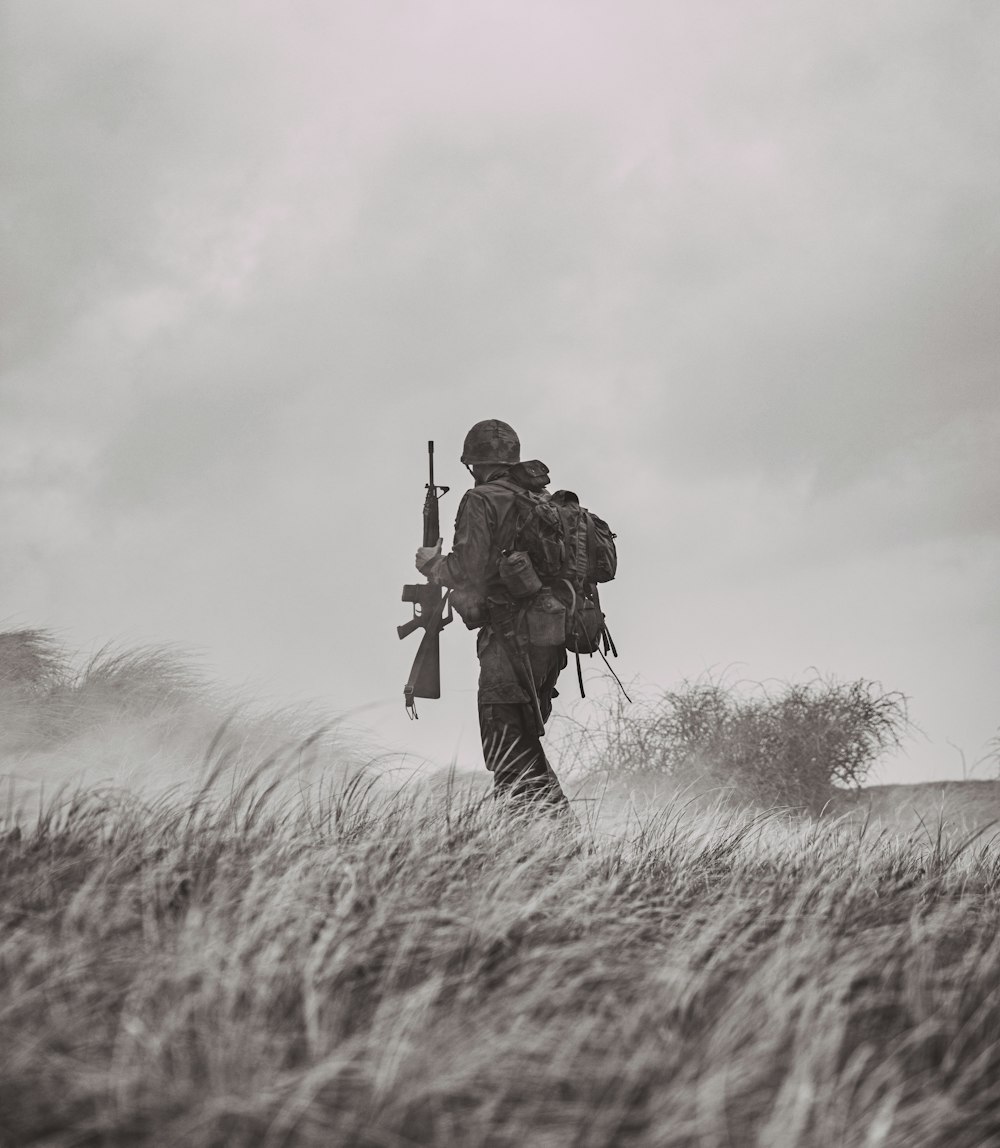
(571,550)
(564,540)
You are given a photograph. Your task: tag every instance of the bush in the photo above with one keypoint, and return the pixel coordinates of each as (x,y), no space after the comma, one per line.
(776,747)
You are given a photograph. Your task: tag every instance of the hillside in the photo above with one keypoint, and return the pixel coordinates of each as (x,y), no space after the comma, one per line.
(962,807)
(957,808)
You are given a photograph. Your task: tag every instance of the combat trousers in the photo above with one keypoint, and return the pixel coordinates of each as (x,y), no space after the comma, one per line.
(512,748)
(514,754)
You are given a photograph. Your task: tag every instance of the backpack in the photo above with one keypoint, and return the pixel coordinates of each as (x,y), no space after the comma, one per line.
(564,540)
(571,550)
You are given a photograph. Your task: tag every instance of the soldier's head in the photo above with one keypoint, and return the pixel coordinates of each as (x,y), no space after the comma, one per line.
(491,445)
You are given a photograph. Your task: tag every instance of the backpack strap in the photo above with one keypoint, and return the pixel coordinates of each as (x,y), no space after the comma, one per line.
(581,554)
(591,544)
(524,506)
(615,676)
(609,643)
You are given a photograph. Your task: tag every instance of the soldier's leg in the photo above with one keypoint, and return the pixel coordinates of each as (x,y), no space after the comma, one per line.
(514,754)
(547,664)
(511,745)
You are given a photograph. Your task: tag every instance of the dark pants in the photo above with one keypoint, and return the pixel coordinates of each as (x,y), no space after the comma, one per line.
(512,748)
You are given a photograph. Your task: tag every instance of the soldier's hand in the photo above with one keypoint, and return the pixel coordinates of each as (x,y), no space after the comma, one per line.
(426,555)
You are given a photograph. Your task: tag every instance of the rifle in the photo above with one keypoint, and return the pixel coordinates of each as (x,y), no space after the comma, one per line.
(428,608)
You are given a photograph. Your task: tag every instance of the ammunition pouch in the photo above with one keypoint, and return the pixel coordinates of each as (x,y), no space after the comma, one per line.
(546,620)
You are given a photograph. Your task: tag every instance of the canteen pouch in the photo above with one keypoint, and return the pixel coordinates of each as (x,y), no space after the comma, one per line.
(518,575)
(546,620)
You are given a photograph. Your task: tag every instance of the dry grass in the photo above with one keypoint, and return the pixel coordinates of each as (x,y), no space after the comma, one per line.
(257,965)
(363,970)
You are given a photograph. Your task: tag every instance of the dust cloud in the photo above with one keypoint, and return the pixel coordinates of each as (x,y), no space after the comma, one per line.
(144,722)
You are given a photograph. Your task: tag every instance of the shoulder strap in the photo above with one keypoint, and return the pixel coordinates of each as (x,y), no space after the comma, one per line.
(581,555)
(591,544)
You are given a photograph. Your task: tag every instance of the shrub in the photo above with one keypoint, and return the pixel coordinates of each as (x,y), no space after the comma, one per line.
(788,746)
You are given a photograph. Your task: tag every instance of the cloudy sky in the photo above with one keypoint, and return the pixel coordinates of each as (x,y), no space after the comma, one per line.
(732,270)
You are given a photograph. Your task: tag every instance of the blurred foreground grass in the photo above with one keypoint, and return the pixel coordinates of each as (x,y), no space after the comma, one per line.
(364,970)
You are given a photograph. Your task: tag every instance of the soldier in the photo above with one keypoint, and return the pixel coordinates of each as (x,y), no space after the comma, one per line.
(517,676)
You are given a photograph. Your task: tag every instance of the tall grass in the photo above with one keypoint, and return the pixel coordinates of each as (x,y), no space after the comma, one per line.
(365,970)
(244,963)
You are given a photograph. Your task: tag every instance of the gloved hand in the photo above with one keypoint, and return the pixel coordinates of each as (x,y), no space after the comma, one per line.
(426,556)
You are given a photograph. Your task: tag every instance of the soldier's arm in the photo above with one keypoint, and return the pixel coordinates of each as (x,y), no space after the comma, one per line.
(468,563)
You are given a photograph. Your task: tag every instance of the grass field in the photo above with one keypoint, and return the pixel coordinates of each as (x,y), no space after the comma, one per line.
(250,962)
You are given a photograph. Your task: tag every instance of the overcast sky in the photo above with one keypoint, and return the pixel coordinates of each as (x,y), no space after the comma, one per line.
(732,270)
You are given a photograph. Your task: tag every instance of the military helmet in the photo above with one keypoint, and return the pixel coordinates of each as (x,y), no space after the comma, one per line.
(491,441)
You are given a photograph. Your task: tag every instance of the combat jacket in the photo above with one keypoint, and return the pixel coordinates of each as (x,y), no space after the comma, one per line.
(484,527)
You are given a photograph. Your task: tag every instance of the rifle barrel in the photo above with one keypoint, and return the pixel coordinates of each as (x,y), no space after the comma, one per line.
(432,523)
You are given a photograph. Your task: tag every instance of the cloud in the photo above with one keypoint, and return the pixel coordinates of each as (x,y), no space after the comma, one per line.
(729,269)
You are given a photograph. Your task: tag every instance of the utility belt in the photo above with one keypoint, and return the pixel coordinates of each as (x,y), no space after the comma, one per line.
(540,619)
(530,611)
(542,612)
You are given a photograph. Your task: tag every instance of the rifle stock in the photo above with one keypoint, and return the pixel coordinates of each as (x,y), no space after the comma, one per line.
(425,676)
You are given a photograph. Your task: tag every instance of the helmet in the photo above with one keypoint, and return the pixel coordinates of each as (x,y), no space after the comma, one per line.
(491,441)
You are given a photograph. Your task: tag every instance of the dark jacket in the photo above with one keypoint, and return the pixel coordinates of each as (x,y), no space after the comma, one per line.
(484,527)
